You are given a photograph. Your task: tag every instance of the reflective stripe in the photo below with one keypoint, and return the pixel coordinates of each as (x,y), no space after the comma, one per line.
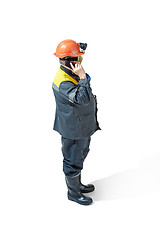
(55,87)
(72,95)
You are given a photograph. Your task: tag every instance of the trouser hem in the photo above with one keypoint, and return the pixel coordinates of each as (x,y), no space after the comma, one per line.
(72,176)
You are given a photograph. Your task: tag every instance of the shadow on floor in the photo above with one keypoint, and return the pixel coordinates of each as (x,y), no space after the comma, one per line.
(140,181)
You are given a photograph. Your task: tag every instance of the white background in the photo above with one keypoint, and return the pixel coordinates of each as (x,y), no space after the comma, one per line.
(123,59)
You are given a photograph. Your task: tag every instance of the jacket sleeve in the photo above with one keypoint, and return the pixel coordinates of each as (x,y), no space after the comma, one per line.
(80,93)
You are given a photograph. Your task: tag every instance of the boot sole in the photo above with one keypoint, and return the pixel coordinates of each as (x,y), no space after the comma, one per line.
(82,203)
(86,191)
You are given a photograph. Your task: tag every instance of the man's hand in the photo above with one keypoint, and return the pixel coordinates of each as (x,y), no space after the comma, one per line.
(78,70)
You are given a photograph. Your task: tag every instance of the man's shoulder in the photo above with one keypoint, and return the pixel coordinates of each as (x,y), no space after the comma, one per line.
(62,77)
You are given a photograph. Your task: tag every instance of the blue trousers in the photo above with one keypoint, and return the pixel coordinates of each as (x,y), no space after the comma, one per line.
(74,153)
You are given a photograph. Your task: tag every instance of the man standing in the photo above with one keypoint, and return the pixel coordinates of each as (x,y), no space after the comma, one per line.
(76,116)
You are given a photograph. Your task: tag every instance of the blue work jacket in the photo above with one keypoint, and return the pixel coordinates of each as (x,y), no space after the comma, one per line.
(76,106)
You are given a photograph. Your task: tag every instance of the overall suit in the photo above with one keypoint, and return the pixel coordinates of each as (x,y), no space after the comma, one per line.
(75,118)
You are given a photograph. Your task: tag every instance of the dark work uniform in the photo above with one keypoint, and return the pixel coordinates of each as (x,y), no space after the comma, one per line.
(75,118)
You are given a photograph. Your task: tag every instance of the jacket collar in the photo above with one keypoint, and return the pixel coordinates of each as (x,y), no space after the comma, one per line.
(70,73)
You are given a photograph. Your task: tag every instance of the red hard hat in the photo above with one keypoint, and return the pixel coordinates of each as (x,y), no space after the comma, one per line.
(68,48)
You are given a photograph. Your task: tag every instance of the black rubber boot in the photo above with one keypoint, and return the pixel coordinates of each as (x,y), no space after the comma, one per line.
(86,188)
(74,193)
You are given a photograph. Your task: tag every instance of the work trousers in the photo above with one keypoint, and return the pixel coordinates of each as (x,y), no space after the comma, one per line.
(74,154)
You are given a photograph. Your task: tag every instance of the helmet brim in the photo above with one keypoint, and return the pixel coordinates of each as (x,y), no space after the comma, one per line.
(68,55)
